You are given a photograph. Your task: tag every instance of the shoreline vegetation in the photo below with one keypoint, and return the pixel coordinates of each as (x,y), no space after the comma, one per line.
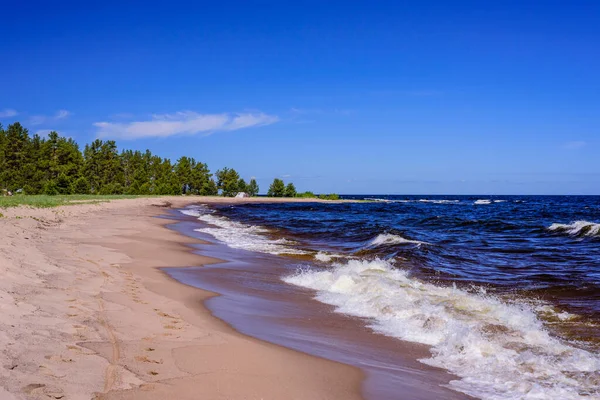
(52,166)
(49,201)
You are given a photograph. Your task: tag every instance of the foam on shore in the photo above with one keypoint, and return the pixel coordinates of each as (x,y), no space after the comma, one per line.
(240,236)
(498,350)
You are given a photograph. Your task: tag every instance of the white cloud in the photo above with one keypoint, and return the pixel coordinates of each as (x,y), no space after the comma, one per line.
(62,114)
(183,123)
(40,119)
(8,112)
(578,144)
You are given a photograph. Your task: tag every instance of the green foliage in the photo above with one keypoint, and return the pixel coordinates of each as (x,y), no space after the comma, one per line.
(81,186)
(144,189)
(209,188)
(63,184)
(17,158)
(306,195)
(50,188)
(43,201)
(290,190)
(55,165)
(331,196)
(242,186)
(252,188)
(228,181)
(277,188)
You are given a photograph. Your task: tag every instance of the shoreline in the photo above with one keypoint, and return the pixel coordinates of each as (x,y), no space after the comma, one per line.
(255,300)
(87,313)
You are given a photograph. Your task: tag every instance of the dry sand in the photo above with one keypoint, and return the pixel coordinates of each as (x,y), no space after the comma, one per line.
(85,313)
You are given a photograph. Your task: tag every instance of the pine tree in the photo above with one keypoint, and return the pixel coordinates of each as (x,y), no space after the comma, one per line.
(81,186)
(228,181)
(253,187)
(56,165)
(290,190)
(277,188)
(16,156)
(2,152)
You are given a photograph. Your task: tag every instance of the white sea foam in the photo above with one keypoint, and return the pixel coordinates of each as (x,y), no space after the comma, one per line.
(388,238)
(193,212)
(483,201)
(196,210)
(378,199)
(327,257)
(577,228)
(498,350)
(247,237)
(439,201)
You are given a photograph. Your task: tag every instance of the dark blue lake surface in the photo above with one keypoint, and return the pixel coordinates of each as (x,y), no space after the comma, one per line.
(505,289)
(532,243)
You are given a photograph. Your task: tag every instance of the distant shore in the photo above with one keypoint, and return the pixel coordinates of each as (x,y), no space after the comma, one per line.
(86,313)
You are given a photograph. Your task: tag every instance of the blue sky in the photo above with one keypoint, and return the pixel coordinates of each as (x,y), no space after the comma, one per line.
(414,97)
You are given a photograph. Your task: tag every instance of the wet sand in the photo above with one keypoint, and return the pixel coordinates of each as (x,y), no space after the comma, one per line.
(86,313)
(255,301)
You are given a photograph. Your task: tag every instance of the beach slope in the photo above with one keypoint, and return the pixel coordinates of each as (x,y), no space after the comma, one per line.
(86,313)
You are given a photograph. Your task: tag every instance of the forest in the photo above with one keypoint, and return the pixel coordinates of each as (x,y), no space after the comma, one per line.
(56,165)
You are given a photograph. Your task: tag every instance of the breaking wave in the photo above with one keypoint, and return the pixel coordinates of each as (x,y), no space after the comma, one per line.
(327,257)
(482,201)
(498,350)
(241,236)
(388,239)
(439,201)
(577,228)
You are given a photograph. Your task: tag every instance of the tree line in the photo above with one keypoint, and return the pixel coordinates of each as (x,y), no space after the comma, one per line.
(56,165)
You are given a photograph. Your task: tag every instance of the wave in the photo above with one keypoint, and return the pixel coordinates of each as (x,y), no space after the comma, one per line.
(192,212)
(388,239)
(327,257)
(241,236)
(577,228)
(378,199)
(482,201)
(375,199)
(498,350)
(439,201)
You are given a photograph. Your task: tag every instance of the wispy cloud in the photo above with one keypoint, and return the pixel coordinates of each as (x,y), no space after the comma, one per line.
(577,144)
(303,111)
(8,112)
(183,123)
(62,114)
(41,119)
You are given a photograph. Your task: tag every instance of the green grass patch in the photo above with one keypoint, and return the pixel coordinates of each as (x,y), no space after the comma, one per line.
(45,201)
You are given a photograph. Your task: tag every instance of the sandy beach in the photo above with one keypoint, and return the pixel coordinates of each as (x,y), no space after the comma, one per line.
(86,313)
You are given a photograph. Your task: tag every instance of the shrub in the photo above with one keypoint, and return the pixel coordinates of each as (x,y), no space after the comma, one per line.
(306,195)
(331,196)
(50,188)
(81,186)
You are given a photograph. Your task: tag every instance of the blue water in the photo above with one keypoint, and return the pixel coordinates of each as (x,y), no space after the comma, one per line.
(506,244)
(505,289)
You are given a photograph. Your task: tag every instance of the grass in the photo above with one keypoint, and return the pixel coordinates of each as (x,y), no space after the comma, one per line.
(45,201)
